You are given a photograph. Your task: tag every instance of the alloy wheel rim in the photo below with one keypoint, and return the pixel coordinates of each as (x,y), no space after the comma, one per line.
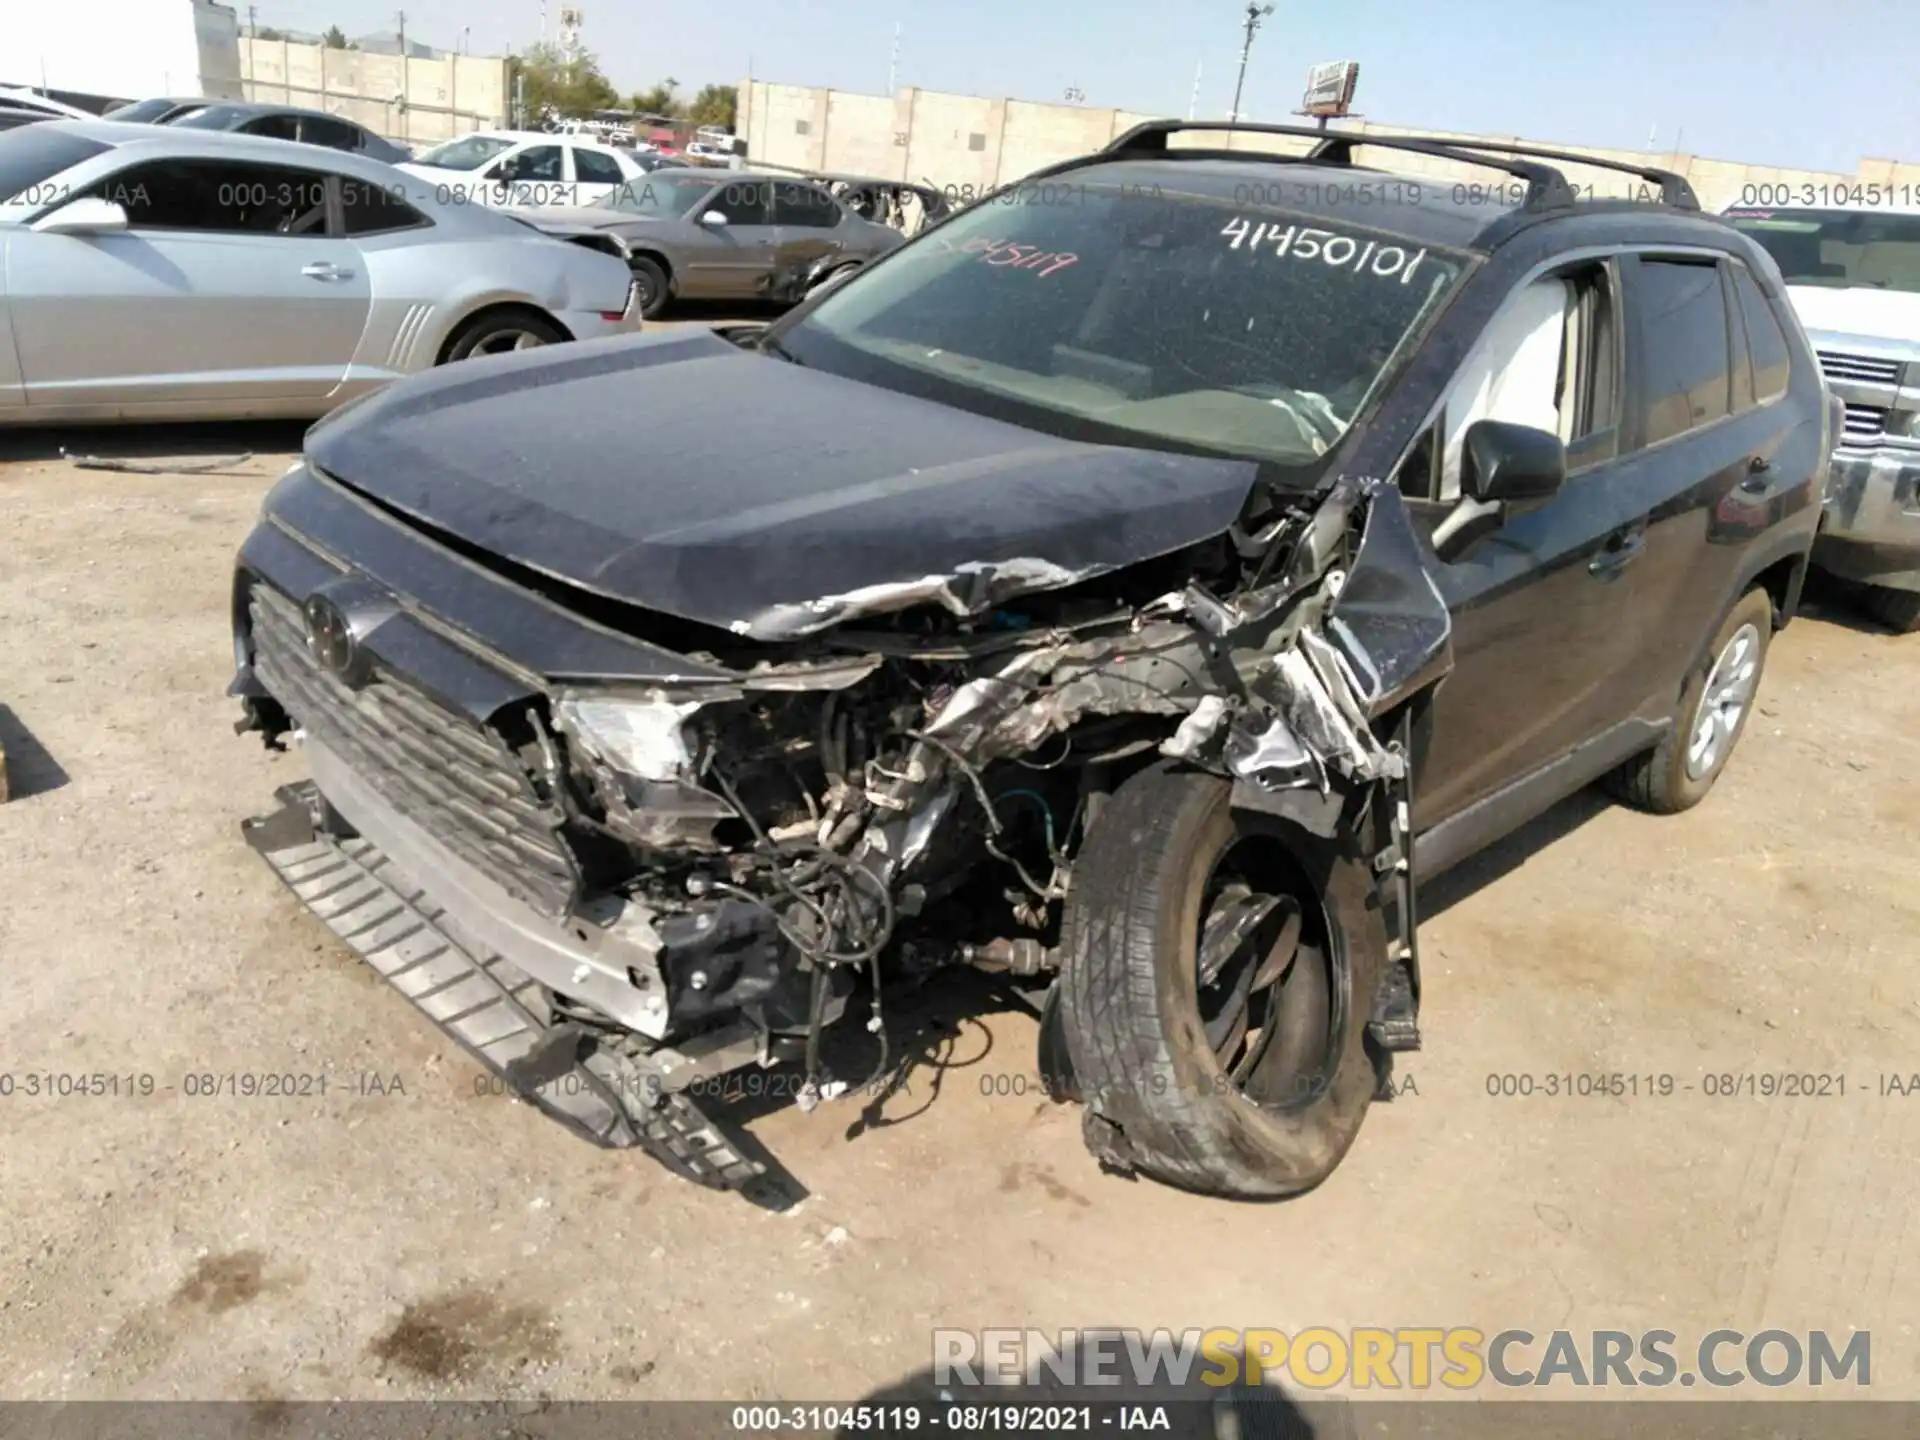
(1723,703)
(503,341)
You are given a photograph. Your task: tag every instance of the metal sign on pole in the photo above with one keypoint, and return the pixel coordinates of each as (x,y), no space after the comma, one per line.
(1330,89)
(1256,12)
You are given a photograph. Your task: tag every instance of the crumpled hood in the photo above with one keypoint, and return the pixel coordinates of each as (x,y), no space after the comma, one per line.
(681,473)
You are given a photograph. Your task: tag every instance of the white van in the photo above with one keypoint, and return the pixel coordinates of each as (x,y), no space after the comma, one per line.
(1853,275)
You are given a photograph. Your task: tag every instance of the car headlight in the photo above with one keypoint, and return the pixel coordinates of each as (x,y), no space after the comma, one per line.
(643,735)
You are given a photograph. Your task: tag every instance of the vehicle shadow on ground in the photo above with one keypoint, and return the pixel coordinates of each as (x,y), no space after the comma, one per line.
(30,768)
(1213,1398)
(192,443)
(1833,601)
(1510,852)
(934,1031)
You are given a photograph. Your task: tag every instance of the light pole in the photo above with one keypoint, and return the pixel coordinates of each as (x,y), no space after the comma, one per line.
(1255,14)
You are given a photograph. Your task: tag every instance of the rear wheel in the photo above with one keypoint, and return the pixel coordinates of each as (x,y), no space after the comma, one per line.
(1677,773)
(500,331)
(1218,972)
(1898,610)
(650,283)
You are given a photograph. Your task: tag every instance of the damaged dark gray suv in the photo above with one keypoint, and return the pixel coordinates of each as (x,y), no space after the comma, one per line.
(1138,583)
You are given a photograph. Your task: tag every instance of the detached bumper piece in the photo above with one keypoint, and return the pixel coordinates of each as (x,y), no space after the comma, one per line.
(612,1096)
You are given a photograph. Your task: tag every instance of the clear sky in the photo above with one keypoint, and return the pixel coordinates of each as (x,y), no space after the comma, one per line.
(1807,83)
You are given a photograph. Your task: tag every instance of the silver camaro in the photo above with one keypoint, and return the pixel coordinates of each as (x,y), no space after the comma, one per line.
(150,272)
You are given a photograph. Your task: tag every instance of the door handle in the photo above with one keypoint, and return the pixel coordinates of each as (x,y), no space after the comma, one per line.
(1623,547)
(325,270)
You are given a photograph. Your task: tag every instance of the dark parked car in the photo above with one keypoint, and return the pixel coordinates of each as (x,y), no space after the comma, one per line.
(1141,585)
(159,109)
(282,122)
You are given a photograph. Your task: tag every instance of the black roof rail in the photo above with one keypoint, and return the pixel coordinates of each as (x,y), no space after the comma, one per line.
(1674,189)
(1547,188)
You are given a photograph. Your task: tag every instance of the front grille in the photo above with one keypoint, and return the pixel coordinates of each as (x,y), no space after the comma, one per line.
(1865,424)
(1839,366)
(457,780)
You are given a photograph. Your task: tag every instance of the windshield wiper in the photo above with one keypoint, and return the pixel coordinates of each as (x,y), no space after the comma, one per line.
(773,347)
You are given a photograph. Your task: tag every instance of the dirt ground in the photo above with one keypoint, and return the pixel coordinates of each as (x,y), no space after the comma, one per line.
(403,1236)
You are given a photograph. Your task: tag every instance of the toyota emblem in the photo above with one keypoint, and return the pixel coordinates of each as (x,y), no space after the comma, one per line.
(329,638)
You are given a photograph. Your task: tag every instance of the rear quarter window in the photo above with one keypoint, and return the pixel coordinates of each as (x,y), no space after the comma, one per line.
(369,209)
(1772,360)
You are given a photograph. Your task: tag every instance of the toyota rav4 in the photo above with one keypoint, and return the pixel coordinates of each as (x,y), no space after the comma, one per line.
(1140,582)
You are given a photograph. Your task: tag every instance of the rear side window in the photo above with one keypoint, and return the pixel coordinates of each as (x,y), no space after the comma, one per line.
(807,206)
(1766,341)
(592,168)
(334,134)
(274,127)
(743,203)
(1683,317)
(542,162)
(368,209)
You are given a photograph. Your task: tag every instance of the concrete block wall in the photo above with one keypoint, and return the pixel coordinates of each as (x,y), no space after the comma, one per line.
(967,142)
(443,97)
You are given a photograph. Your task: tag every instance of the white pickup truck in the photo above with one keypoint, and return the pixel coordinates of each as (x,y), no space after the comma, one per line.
(1853,275)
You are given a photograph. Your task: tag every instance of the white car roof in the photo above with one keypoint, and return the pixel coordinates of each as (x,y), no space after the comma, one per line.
(33,100)
(525,137)
(134,143)
(515,136)
(1788,211)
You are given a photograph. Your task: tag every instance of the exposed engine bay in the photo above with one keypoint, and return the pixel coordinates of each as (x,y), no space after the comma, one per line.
(824,797)
(934,741)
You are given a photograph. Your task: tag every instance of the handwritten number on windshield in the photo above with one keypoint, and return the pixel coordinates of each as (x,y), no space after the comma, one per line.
(1342,252)
(1009,255)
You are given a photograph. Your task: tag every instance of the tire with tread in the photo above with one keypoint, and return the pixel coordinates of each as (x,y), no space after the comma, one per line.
(1157,1099)
(648,271)
(1898,610)
(1656,780)
(468,339)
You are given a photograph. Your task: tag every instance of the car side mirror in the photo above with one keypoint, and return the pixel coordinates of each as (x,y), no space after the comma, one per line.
(713,217)
(1504,462)
(1502,466)
(88,215)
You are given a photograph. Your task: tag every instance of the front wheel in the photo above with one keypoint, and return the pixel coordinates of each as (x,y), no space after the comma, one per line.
(650,286)
(1218,972)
